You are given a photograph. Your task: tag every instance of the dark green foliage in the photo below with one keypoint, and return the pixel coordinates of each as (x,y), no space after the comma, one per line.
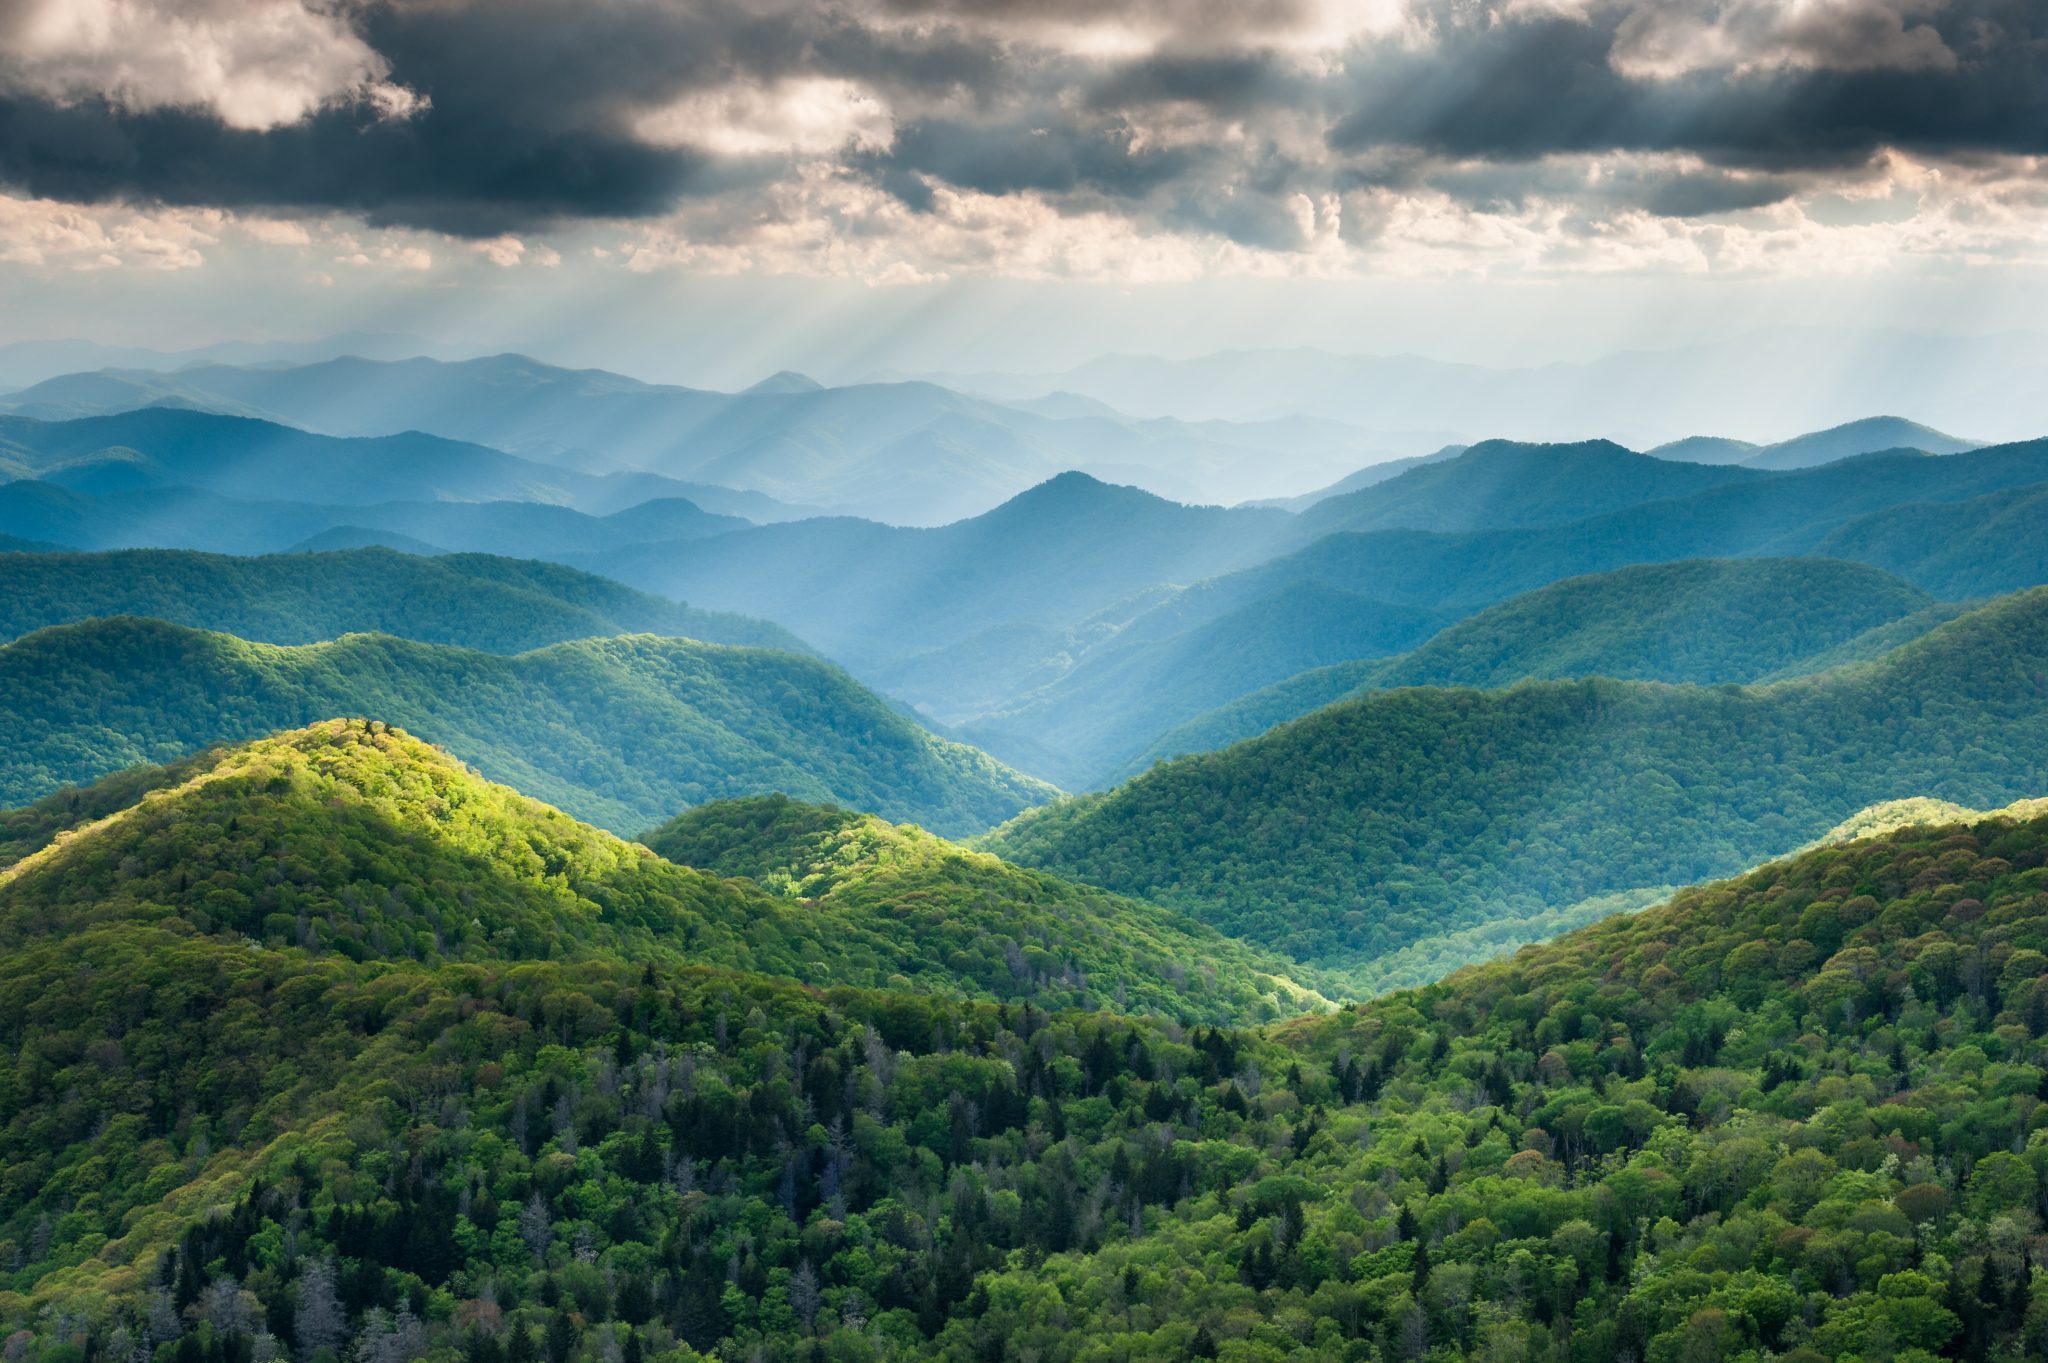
(622,731)
(1976,548)
(1792,1115)
(1379,821)
(499,605)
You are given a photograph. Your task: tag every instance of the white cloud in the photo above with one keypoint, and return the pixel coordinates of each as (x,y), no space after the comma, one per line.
(807,116)
(254,64)
(1669,38)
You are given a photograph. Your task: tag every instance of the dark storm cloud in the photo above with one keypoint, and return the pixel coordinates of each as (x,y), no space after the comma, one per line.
(528,110)
(1548,85)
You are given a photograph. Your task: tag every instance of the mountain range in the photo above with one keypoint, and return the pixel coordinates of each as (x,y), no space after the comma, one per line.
(1373,824)
(623,730)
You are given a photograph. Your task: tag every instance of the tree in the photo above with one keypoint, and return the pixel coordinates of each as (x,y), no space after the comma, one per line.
(319,1323)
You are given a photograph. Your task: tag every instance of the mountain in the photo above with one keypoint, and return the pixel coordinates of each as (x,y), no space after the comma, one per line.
(1373,824)
(186,518)
(1631,1143)
(23,363)
(237,456)
(1707,621)
(1705,449)
(469,600)
(477,872)
(1057,936)
(906,453)
(1847,441)
(1790,513)
(1788,379)
(623,731)
(1366,477)
(869,593)
(1094,719)
(343,537)
(1977,547)
(1504,484)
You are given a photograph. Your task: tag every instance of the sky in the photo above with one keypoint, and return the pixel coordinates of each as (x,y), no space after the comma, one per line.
(710,191)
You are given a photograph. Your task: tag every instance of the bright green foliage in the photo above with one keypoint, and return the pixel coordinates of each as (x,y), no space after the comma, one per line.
(499,605)
(1700,620)
(1400,815)
(620,731)
(353,838)
(1797,1111)
(1012,932)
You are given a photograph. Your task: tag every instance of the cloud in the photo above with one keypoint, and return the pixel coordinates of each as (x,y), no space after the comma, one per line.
(253,64)
(1158,136)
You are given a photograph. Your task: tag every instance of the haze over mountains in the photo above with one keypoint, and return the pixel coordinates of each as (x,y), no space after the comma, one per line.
(866,961)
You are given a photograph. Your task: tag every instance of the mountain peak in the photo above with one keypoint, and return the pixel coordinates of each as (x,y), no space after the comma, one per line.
(785,381)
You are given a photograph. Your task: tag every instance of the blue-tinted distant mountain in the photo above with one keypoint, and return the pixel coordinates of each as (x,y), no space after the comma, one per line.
(1847,441)
(1087,725)
(192,518)
(28,362)
(867,593)
(1759,386)
(785,381)
(258,460)
(359,537)
(908,453)
(1506,484)
(1366,477)
(1706,449)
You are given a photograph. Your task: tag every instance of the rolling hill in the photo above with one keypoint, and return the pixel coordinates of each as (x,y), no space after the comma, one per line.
(1697,620)
(622,731)
(1377,822)
(1979,547)
(1788,1114)
(1057,937)
(469,600)
(355,805)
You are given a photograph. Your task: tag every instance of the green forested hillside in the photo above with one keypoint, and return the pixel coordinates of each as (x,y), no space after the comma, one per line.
(354,838)
(472,600)
(1698,620)
(1056,936)
(1400,815)
(1794,1115)
(1979,547)
(621,731)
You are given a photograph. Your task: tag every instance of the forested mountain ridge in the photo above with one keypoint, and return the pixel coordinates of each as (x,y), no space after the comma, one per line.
(1794,1111)
(623,731)
(1381,821)
(1696,620)
(1062,935)
(499,605)
(354,838)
